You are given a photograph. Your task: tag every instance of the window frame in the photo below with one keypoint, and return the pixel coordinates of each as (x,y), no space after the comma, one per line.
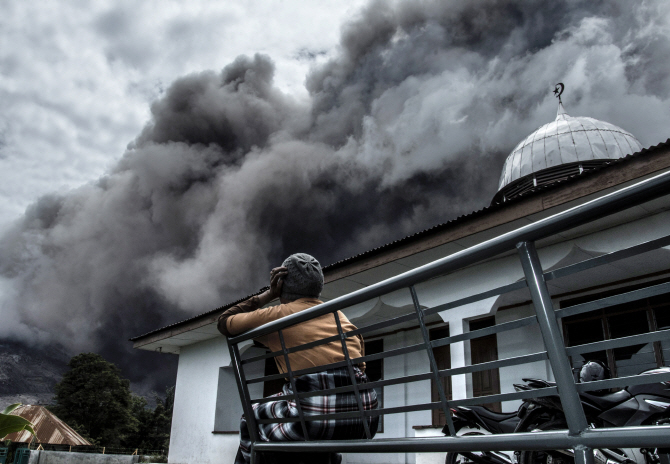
(602,314)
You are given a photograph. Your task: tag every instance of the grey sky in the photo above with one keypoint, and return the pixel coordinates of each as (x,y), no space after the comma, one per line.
(77,77)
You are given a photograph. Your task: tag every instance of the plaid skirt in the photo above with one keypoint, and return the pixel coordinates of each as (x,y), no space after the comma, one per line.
(334,429)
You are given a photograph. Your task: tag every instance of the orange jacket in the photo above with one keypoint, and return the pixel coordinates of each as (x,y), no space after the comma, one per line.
(246,316)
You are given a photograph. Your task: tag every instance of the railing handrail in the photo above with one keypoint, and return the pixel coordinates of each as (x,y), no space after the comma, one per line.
(590,211)
(637,436)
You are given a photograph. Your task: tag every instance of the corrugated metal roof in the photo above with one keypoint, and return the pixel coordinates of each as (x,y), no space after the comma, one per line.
(436,228)
(219,309)
(48,428)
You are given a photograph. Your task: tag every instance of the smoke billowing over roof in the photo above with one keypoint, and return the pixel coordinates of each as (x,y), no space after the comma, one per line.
(408,126)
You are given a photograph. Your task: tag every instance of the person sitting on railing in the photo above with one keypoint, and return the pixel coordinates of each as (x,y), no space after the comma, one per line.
(298,284)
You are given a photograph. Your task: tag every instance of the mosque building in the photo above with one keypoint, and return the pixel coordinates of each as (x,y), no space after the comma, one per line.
(562,164)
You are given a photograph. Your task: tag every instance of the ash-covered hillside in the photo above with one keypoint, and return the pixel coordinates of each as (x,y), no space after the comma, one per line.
(28,374)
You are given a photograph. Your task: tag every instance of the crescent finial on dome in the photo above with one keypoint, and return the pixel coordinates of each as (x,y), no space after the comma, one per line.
(558,91)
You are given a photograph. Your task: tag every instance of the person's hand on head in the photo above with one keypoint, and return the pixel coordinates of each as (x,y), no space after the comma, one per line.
(277,281)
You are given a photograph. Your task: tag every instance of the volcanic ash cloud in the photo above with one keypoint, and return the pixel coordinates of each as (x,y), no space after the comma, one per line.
(407,127)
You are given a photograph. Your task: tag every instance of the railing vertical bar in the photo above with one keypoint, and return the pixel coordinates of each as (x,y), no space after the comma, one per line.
(244,391)
(583,455)
(553,339)
(291,379)
(352,375)
(433,364)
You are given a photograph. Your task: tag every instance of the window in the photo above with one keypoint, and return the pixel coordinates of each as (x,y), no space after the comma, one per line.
(485,349)
(633,318)
(660,307)
(228,406)
(375,371)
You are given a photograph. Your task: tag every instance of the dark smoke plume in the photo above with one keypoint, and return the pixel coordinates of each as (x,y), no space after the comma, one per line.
(407,127)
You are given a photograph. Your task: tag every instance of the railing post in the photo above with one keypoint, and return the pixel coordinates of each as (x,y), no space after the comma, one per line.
(352,375)
(553,340)
(244,391)
(433,364)
(583,455)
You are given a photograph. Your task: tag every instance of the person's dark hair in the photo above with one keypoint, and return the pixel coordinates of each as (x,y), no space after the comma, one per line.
(304,278)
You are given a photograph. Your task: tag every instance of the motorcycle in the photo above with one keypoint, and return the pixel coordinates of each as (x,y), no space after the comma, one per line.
(479,420)
(634,405)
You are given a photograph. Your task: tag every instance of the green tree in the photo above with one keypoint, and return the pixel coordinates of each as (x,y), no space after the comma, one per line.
(162,419)
(153,425)
(94,399)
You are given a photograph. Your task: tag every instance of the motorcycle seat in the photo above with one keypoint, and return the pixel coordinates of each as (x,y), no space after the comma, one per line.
(492,415)
(608,400)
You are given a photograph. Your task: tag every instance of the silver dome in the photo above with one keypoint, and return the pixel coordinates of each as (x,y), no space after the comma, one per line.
(567,140)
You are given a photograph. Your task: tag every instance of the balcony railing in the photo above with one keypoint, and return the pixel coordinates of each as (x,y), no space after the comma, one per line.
(578,436)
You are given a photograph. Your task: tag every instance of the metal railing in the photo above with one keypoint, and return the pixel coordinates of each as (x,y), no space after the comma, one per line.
(579,435)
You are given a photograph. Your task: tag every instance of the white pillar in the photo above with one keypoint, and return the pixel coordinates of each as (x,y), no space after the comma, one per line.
(459,384)
(460,352)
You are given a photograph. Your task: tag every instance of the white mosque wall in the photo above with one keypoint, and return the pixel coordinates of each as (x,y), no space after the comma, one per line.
(191,438)
(519,342)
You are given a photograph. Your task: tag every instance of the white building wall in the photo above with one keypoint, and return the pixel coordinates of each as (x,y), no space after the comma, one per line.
(519,342)
(191,438)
